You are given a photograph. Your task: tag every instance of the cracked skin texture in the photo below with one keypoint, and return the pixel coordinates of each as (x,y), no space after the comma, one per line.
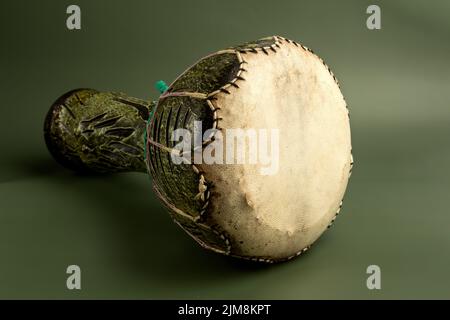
(230,209)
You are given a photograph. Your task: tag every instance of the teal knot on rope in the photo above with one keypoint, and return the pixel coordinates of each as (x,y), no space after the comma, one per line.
(161,86)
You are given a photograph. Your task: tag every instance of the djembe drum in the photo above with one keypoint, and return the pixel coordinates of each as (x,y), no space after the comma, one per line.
(230,208)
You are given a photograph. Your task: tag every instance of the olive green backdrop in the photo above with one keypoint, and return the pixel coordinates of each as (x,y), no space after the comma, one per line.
(395,214)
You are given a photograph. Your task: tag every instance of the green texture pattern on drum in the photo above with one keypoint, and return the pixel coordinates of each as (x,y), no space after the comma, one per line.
(87,130)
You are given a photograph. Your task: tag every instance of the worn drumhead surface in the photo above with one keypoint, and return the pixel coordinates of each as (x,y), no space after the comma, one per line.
(280,214)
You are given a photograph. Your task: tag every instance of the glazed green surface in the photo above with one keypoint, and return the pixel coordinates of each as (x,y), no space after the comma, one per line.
(87,130)
(178,183)
(395,213)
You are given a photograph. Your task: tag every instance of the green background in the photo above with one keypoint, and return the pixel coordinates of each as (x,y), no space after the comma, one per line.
(395,215)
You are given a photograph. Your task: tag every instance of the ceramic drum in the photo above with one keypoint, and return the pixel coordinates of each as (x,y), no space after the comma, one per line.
(234,209)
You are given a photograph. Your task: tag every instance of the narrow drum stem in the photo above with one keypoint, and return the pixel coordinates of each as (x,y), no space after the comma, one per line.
(88,130)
